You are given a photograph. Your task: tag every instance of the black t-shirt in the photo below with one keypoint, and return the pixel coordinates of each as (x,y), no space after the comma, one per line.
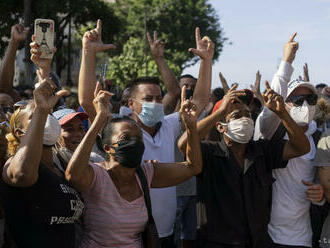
(44,214)
(234,203)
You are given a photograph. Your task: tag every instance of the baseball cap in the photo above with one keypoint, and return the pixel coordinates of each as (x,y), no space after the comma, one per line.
(65,115)
(294,84)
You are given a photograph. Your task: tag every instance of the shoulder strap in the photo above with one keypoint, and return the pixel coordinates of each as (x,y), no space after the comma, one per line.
(145,188)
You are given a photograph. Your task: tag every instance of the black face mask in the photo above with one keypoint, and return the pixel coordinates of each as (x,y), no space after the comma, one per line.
(129,152)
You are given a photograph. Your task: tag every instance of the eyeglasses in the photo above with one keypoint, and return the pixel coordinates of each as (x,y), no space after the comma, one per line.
(299,100)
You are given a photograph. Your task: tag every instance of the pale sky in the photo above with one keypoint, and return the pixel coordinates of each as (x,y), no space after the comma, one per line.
(258,30)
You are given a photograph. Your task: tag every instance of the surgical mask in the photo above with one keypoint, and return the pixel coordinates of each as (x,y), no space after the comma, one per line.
(129,152)
(240,130)
(125,111)
(304,114)
(151,113)
(52,131)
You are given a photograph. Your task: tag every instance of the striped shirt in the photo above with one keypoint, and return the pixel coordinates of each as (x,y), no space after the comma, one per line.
(110,220)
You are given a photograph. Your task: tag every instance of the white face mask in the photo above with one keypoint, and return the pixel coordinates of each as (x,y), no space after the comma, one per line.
(52,131)
(302,115)
(240,130)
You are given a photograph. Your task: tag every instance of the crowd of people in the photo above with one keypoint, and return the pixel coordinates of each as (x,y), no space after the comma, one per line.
(187,167)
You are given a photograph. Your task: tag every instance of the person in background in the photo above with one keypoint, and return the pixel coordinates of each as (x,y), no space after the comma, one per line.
(322,162)
(294,189)
(320,87)
(159,131)
(18,34)
(6,107)
(72,133)
(234,188)
(124,109)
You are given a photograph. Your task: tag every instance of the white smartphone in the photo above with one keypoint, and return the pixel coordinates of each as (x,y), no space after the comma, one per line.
(44,37)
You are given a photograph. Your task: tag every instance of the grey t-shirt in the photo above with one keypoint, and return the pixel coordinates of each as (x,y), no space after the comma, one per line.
(187,188)
(322,158)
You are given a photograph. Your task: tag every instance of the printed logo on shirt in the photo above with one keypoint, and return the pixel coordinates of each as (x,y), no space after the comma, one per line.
(77,207)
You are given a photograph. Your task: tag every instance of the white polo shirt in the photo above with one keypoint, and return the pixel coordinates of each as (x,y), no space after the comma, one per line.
(161,148)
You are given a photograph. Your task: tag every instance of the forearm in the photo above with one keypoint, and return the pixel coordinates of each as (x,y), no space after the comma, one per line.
(23,168)
(324,177)
(87,82)
(193,150)
(203,86)
(168,77)
(78,165)
(281,78)
(8,68)
(171,85)
(297,138)
(203,128)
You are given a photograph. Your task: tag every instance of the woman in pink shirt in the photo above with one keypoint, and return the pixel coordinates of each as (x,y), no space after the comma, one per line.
(115,211)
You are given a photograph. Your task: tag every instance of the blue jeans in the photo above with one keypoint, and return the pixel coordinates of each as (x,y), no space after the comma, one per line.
(186,217)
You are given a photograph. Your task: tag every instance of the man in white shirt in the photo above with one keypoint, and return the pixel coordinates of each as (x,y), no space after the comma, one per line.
(293,190)
(160,133)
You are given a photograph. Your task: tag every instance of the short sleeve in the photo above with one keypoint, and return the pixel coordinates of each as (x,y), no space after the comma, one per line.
(174,123)
(148,169)
(98,180)
(322,157)
(207,148)
(274,153)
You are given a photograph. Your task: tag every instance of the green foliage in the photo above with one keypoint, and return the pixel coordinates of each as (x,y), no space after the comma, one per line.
(131,63)
(175,22)
(82,12)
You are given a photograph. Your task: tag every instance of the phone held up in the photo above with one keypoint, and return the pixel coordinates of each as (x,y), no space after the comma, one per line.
(44,37)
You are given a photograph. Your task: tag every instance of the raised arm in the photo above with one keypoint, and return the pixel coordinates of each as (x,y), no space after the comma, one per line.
(256,88)
(18,34)
(298,144)
(171,84)
(268,121)
(79,172)
(22,169)
(205,50)
(204,126)
(91,44)
(166,175)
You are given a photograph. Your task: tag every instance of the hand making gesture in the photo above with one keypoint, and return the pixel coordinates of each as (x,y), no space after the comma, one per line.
(188,110)
(204,47)
(290,49)
(156,46)
(101,102)
(18,33)
(44,96)
(273,101)
(92,40)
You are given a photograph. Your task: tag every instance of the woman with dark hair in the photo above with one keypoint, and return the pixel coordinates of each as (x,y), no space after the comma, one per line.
(116,212)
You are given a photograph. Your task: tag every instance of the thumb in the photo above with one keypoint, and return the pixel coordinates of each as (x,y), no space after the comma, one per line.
(307,183)
(194,51)
(62,93)
(107,46)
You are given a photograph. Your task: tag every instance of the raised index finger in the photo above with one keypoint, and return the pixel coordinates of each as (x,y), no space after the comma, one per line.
(155,35)
(183,94)
(267,85)
(292,37)
(99,27)
(197,35)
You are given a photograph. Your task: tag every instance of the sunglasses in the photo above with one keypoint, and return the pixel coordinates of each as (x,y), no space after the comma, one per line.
(299,100)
